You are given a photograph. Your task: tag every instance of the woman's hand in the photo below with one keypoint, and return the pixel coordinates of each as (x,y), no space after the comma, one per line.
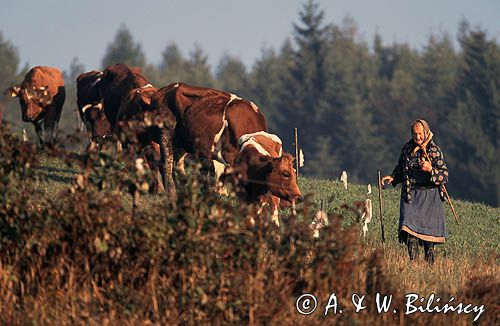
(426,166)
(385,179)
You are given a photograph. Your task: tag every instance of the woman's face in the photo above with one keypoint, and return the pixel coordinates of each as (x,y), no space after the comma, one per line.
(418,133)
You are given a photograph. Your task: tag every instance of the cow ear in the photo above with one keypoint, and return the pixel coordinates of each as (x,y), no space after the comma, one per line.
(265,163)
(14,91)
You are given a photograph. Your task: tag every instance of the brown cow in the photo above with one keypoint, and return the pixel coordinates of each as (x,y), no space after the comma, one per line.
(136,108)
(264,172)
(41,96)
(117,81)
(203,122)
(100,95)
(90,108)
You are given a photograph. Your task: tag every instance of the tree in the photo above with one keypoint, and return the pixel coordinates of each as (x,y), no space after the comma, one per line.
(199,69)
(69,120)
(9,75)
(393,93)
(345,114)
(232,76)
(173,66)
(76,68)
(9,63)
(305,80)
(266,81)
(123,49)
(473,125)
(436,78)
(323,163)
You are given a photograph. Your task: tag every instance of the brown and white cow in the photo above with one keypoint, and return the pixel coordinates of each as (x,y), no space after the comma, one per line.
(203,122)
(264,172)
(41,96)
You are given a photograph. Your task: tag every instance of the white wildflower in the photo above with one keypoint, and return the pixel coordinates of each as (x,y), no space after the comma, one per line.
(343,178)
(367,215)
(320,221)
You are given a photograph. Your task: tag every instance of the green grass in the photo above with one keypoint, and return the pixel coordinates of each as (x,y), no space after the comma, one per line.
(476,235)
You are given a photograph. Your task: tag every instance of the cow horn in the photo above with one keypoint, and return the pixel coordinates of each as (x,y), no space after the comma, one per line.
(27,94)
(14,90)
(99,106)
(86,107)
(96,81)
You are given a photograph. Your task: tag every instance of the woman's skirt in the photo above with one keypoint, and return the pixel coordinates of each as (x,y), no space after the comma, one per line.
(423,217)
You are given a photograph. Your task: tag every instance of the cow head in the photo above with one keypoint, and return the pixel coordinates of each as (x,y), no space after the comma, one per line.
(276,173)
(96,122)
(33,101)
(281,178)
(90,104)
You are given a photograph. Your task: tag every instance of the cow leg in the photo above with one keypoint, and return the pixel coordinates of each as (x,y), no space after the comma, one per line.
(157,176)
(39,134)
(152,156)
(119,148)
(274,203)
(275,206)
(156,167)
(219,170)
(49,133)
(167,162)
(180,158)
(51,123)
(93,146)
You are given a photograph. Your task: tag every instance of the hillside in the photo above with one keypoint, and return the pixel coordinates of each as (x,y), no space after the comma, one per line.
(476,235)
(72,252)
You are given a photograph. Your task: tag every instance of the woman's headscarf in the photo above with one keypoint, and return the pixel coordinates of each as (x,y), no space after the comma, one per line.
(427,133)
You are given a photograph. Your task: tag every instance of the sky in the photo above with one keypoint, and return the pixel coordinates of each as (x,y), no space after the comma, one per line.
(53,32)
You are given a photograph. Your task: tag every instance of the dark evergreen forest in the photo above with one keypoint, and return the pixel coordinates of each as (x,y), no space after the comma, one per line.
(352,100)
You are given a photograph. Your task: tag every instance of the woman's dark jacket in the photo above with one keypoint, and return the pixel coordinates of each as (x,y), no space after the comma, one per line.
(438,175)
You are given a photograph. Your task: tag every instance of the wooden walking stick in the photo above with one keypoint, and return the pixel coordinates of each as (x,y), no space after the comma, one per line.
(380,205)
(297,153)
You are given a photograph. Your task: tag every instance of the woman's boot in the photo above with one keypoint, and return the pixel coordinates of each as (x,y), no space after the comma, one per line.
(429,252)
(412,247)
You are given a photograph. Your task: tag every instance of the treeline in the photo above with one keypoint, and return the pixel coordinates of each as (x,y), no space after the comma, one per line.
(351,100)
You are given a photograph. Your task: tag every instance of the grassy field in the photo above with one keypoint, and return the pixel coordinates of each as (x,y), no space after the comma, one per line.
(474,241)
(476,235)
(469,255)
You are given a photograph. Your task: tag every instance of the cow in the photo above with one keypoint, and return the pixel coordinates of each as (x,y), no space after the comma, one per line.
(116,82)
(134,118)
(41,96)
(100,95)
(90,108)
(203,122)
(264,172)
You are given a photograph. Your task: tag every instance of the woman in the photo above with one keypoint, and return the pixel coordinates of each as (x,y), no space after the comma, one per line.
(423,173)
